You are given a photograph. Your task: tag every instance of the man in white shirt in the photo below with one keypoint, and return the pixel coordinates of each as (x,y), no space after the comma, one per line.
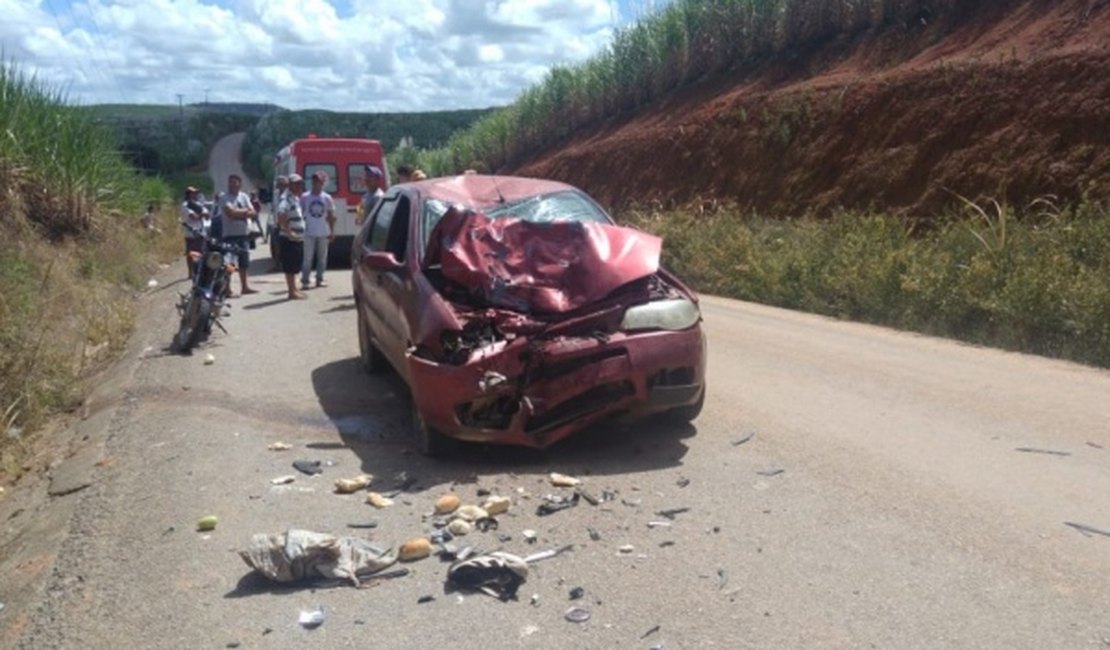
(319,216)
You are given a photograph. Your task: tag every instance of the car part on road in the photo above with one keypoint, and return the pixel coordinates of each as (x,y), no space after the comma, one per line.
(497,574)
(301,555)
(554,503)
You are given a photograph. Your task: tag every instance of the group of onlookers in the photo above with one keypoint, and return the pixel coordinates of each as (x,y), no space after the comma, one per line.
(305,223)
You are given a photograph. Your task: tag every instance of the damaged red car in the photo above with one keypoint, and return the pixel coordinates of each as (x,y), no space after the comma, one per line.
(518,312)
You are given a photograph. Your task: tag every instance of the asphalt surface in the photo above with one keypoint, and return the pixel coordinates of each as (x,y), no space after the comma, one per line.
(847,486)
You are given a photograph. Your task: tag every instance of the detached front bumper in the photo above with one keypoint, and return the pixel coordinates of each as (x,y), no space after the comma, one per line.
(535,393)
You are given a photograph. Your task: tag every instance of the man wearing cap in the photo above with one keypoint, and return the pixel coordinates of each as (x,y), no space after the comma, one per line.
(291,223)
(194,225)
(319,216)
(236,213)
(373,193)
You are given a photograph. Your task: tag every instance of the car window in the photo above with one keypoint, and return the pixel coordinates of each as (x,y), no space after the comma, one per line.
(328,169)
(383,218)
(398,238)
(566,205)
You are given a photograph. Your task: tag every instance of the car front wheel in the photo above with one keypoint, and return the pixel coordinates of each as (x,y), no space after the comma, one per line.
(431,442)
(372,359)
(690,412)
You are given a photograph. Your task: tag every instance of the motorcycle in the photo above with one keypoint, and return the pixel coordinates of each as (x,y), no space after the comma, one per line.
(202,306)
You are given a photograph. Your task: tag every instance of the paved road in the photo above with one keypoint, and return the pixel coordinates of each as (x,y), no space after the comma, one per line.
(224,160)
(904,516)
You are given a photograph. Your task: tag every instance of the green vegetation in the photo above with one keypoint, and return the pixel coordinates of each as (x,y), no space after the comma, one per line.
(1035,283)
(681,43)
(72,257)
(276,130)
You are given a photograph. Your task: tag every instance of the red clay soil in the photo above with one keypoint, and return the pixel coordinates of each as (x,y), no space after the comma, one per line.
(1012,103)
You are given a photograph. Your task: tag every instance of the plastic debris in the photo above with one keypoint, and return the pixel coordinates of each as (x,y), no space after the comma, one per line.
(770,472)
(151,283)
(497,574)
(577,593)
(672,513)
(682,482)
(312,619)
(1050,452)
(497,505)
(310,467)
(577,615)
(279,446)
(297,555)
(659,524)
(209,359)
(447,503)
(548,554)
(351,485)
(722,579)
(627,548)
(486,524)
(529,535)
(554,503)
(425,599)
(535,600)
(562,480)
(283,480)
(459,527)
(415,549)
(1087,530)
(650,632)
(207,523)
(590,499)
(378,501)
(594,534)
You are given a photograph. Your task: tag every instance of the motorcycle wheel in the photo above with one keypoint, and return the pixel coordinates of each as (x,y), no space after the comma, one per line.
(194,319)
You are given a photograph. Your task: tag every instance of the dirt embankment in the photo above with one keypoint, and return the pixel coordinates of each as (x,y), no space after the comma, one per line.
(1012,102)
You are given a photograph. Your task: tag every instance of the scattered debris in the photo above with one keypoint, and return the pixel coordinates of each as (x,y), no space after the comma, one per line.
(352,485)
(151,283)
(279,446)
(591,499)
(682,482)
(497,505)
(471,513)
(497,574)
(425,599)
(283,480)
(207,523)
(722,579)
(491,380)
(535,600)
(460,527)
(548,554)
(1087,530)
(529,535)
(672,513)
(594,534)
(297,555)
(486,524)
(770,472)
(659,524)
(554,503)
(415,549)
(577,615)
(745,438)
(1095,445)
(377,500)
(666,543)
(310,467)
(577,593)
(447,503)
(650,632)
(209,359)
(313,619)
(1050,452)
(562,480)
(626,549)
(369,524)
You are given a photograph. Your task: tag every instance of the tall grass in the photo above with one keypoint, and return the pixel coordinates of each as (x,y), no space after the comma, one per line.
(681,43)
(1034,281)
(72,256)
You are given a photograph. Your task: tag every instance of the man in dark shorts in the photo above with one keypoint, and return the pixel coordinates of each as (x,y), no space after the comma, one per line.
(290,220)
(236,213)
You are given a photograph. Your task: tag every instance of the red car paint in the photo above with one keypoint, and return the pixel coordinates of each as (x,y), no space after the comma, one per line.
(508,330)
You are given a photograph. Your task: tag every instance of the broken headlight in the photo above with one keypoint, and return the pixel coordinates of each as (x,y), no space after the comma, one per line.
(662,315)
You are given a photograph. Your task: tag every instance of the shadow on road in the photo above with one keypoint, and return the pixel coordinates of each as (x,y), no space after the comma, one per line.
(371,415)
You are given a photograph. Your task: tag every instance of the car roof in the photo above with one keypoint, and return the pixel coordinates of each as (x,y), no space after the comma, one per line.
(478,190)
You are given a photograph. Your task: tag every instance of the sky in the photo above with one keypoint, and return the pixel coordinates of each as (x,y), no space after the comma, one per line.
(348,55)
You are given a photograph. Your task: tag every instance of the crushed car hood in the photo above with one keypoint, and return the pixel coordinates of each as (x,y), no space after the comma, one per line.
(539,268)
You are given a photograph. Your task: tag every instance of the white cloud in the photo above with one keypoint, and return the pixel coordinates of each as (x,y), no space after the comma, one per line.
(369,55)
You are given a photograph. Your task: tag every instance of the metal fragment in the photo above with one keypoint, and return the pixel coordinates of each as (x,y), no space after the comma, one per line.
(577,615)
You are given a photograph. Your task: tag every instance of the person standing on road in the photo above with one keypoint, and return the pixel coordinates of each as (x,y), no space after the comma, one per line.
(194,225)
(404,173)
(319,214)
(373,193)
(281,186)
(291,225)
(236,213)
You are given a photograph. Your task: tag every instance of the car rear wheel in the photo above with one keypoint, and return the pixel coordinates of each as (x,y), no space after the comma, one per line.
(431,442)
(372,359)
(690,412)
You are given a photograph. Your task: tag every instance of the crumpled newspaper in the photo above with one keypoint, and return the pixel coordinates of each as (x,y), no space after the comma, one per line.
(298,555)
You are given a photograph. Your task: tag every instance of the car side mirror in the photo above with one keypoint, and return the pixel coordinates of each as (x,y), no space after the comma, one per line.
(381,261)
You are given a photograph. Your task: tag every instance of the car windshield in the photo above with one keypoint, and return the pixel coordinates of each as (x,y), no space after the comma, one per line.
(566,205)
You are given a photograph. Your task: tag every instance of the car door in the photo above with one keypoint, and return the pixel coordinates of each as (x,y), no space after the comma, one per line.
(388,292)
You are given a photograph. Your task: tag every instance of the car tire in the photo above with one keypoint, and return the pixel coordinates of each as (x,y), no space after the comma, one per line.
(372,360)
(690,412)
(432,443)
